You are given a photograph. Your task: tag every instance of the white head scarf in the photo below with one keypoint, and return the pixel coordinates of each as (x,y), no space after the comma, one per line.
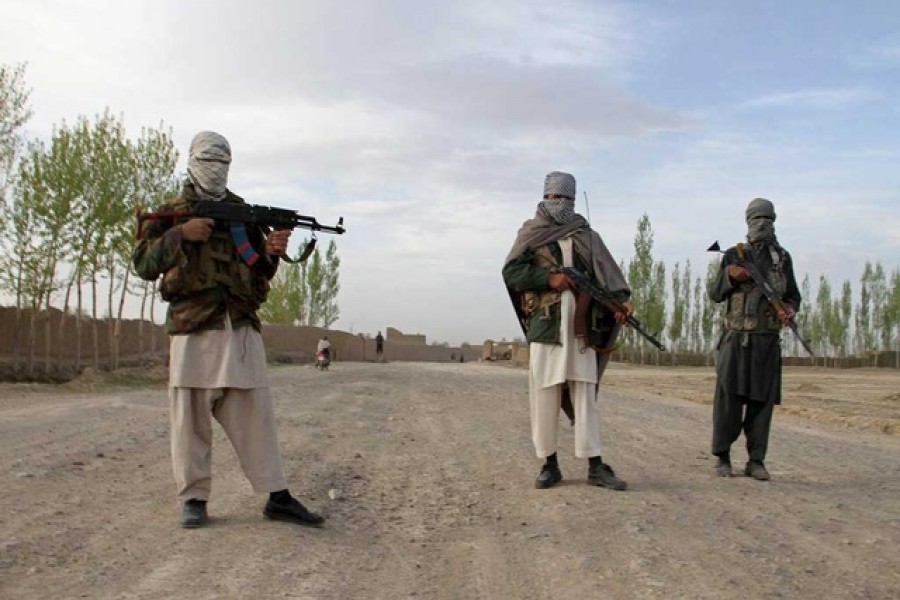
(208,162)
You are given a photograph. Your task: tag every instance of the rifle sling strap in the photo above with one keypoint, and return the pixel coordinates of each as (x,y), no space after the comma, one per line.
(310,246)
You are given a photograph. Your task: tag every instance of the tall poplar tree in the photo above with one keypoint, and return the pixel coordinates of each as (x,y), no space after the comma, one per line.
(879,293)
(306,294)
(677,321)
(712,313)
(822,317)
(893,314)
(845,310)
(863,319)
(805,316)
(15,111)
(647,280)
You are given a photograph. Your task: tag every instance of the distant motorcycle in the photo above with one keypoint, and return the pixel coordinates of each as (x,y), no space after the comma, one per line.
(323,359)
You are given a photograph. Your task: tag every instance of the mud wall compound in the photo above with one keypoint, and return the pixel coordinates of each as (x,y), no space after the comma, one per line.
(137,339)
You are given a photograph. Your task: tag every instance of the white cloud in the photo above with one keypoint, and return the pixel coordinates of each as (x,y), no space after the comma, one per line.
(822,99)
(878,54)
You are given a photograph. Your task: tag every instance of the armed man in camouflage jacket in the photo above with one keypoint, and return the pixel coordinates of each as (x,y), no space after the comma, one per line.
(214,279)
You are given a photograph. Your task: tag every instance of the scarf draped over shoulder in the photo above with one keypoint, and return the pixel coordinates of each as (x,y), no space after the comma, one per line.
(542,230)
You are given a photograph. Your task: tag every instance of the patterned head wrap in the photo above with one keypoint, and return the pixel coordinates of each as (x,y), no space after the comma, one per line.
(208,162)
(760,217)
(559,197)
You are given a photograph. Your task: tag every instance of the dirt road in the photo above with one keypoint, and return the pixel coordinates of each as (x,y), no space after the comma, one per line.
(433,471)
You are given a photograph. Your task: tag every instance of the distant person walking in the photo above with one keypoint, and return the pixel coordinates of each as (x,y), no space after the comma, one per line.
(563,367)
(379,345)
(217,365)
(748,365)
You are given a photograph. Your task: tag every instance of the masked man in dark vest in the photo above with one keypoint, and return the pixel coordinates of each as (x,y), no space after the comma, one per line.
(568,351)
(215,276)
(748,365)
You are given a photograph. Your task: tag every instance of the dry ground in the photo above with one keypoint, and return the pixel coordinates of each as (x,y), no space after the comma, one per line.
(432,467)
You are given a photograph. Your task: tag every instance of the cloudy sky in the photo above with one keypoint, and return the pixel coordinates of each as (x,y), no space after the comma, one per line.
(430,126)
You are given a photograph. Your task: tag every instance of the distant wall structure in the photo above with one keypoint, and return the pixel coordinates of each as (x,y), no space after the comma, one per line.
(136,337)
(141,339)
(503,350)
(396,336)
(299,344)
(518,353)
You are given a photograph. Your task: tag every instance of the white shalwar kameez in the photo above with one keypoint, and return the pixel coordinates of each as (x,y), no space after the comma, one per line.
(222,373)
(551,366)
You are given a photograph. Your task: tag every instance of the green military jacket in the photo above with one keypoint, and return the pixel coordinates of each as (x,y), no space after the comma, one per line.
(203,281)
(527,276)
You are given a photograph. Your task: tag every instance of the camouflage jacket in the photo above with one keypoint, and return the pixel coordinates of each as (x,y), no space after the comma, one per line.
(203,281)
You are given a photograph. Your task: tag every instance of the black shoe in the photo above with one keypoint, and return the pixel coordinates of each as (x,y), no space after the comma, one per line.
(549,477)
(292,512)
(756,470)
(723,468)
(603,475)
(193,514)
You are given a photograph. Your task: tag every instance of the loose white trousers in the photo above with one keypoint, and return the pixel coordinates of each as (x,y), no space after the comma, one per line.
(248,418)
(545,411)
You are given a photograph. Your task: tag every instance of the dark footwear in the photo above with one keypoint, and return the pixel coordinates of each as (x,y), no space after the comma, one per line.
(549,477)
(193,514)
(723,468)
(603,475)
(292,512)
(756,470)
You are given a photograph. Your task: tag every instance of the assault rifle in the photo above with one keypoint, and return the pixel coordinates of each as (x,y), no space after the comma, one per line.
(267,216)
(772,297)
(609,302)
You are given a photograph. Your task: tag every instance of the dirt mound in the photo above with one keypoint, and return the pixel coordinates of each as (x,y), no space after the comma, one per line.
(132,376)
(12,373)
(808,387)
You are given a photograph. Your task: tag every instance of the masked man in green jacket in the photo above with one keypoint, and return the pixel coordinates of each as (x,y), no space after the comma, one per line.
(568,348)
(748,365)
(215,276)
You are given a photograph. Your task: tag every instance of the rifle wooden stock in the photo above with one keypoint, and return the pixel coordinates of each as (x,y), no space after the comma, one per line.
(607,300)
